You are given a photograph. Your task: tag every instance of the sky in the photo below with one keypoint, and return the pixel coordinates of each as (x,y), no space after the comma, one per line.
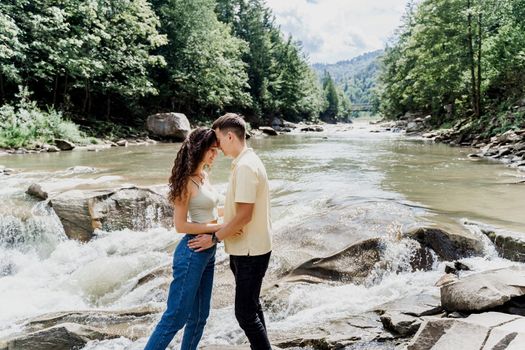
(337,30)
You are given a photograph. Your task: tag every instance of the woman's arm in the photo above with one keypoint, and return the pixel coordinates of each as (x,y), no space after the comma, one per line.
(180,219)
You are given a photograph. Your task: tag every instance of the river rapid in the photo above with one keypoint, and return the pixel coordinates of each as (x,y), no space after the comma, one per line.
(328,190)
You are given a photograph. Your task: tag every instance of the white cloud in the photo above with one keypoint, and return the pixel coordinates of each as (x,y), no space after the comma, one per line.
(335,30)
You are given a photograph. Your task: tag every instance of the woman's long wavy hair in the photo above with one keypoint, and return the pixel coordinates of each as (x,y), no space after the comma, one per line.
(188,158)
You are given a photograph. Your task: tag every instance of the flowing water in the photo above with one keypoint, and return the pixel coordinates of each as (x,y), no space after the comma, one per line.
(328,190)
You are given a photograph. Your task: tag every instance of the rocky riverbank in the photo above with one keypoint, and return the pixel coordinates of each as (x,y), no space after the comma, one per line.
(508,147)
(161,127)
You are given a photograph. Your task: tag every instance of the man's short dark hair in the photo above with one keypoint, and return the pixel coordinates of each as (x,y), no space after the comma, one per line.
(231,122)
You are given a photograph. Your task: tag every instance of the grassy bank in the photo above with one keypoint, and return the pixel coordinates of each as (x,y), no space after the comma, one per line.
(25,125)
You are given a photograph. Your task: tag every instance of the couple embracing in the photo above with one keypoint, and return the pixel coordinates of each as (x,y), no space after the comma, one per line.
(246,233)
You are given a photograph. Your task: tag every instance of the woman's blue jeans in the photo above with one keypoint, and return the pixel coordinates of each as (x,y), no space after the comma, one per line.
(188,298)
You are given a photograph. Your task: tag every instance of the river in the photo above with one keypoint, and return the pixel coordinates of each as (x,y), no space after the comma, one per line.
(328,190)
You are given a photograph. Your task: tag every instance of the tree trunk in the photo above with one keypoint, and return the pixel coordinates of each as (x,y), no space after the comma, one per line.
(55,91)
(90,100)
(108,110)
(479,65)
(473,84)
(86,96)
(2,91)
(65,90)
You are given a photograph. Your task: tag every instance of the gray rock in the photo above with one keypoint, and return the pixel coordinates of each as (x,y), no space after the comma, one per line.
(65,336)
(81,212)
(52,149)
(80,169)
(484,291)
(277,123)
(36,190)
(314,128)
(75,328)
(455,267)
(354,263)
(448,246)
(169,125)
(510,245)
(336,334)
(7,171)
(400,323)
(268,130)
(64,145)
(122,143)
(490,330)
(414,126)
(290,125)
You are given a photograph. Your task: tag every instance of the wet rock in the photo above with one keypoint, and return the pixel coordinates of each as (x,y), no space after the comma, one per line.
(268,130)
(403,316)
(232,347)
(36,191)
(79,169)
(64,145)
(81,212)
(455,267)
(169,125)
(475,156)
(335,334)
(355,263)
(75,329)
(414,126)
(352,264)
(510,245)
(314,128)
(490,330)
(52,149)
(289,125)
(122,143)
(448,246)
(277,124)
(65,336)
(132,323)
(484,291)
(400,323)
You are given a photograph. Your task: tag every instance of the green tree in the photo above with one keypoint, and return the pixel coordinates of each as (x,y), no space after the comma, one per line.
(204,70)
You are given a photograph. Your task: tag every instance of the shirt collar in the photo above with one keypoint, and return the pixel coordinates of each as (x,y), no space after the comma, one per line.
(244,152)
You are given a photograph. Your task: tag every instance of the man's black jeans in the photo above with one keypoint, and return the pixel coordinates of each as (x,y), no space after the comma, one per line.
(249,272)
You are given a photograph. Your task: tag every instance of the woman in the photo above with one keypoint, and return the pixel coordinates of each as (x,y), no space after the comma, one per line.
(190,291)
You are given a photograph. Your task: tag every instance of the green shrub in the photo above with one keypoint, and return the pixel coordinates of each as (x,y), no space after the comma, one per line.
(24,124)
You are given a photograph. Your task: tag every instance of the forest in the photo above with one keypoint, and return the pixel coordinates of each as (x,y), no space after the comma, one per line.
(458,61)
(70,68)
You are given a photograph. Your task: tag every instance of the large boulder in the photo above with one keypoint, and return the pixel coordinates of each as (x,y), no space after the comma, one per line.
(35,190)
(82,212)
(484,291)
(277,123)
(169,125)
(448,246)
(356,262)
(65,336)
(64,145)
(491,330)
(73,329)
(359,331)
(268,130)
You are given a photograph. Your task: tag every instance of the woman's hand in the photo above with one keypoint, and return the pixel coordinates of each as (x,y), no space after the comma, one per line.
(200,243)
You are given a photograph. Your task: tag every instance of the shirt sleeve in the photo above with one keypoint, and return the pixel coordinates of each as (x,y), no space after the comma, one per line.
(246,182)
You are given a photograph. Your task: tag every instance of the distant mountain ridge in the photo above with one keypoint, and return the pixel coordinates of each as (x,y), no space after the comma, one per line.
(356,76)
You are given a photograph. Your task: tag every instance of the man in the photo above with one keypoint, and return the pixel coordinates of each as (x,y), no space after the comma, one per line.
(247,232)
